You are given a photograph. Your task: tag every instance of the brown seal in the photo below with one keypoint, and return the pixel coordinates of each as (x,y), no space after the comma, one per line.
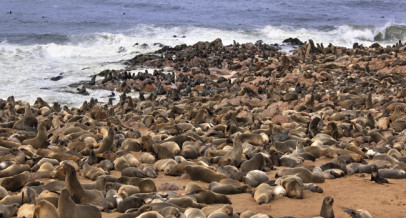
(203,174)
(302,173)
(45,209)
(263,194)
(8,210)
(185,202)
(209,197)
(67,208)
(327,208)
(26,210)
(40,140)
(76,190)
(14,183)
(233,157)
(107,142)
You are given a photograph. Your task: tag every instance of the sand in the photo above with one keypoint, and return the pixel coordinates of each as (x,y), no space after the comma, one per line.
(353,191)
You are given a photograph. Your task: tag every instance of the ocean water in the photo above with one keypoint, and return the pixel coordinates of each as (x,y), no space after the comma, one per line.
(78,38)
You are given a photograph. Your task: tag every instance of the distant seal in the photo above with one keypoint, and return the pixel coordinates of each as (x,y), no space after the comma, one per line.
(203,174)
(67,208)
(327,208)
(45,209)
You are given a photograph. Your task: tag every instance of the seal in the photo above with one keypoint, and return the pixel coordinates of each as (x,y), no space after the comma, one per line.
(92,172)
(185,202)
(255,177)
(192,187)
(10,210)
(40,140)
(45,209)
(293,186)
(376,177)
(75,190)
(263,194)
(26,210)
(225,209)
(358,213)
(255,163)
(327,208)
(302,173)
(209,197)
(227,189)
(234,156)
(107,142)
(127,190)
(203,174)
(67,208)
(14,183)
(194,213)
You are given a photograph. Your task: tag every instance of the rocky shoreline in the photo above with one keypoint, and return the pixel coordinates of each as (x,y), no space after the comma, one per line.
(247,117)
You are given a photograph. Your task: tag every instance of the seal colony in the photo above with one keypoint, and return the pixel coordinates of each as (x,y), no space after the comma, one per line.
(213,122)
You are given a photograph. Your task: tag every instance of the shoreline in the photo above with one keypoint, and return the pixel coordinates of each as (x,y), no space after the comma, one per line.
(207,94)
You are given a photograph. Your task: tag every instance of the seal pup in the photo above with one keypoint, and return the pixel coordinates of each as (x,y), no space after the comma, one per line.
(376,177)
(263,194)
(67,208)
(327,208)
(44,209)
